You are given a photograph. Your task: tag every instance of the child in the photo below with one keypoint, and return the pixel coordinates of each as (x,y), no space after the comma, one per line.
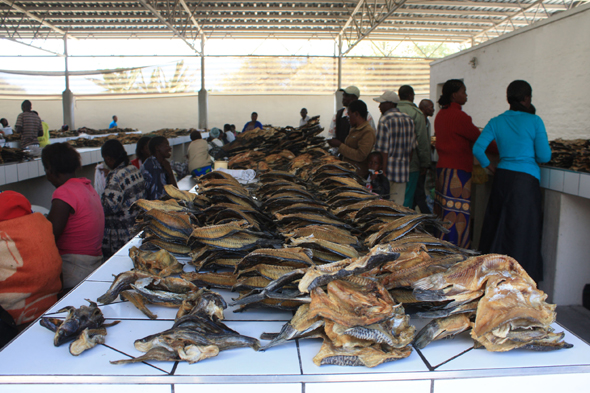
(377,182)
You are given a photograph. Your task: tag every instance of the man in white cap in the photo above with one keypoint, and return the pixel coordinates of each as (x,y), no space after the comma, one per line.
(395,141)
(340,126)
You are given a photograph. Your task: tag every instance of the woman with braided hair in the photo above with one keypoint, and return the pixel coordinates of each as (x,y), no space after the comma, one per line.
(513,220)
(124,186)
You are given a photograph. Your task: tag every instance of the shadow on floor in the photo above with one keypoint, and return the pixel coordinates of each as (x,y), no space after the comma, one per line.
(576,319)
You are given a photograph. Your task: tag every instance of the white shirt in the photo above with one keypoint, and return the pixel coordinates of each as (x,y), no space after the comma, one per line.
(332,129)
(7,130)
(303,122)
(230,136)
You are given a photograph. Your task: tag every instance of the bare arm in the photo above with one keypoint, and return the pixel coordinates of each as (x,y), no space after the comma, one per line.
(58,216)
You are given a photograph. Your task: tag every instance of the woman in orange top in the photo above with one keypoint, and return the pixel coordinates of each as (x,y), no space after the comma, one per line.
(30,264)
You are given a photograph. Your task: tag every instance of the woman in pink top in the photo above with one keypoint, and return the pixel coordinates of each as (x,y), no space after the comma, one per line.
(76,214)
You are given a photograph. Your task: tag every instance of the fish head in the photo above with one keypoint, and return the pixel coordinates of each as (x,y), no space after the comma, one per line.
(66,332)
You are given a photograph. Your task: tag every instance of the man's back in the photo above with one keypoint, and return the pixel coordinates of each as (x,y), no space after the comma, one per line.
(395,136)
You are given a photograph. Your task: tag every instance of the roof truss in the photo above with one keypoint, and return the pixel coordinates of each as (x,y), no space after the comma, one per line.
(459,21)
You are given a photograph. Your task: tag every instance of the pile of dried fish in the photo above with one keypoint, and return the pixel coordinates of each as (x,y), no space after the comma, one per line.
(83,326)
(299,239)
(272,148)
(8,154)
(509,311)
(358,320)
(570,154)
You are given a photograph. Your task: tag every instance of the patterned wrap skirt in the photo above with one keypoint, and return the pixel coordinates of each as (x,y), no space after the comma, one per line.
(453,204)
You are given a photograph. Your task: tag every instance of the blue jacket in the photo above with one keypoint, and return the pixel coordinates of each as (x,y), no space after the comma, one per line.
(522,142)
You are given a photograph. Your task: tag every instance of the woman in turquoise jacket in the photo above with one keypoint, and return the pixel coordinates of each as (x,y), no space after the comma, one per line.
(513,219)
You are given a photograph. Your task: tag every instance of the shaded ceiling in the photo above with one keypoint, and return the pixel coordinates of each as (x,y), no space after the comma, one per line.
(457,21)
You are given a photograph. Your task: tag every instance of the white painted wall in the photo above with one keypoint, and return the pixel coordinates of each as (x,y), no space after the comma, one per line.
(552,55)
(150,114)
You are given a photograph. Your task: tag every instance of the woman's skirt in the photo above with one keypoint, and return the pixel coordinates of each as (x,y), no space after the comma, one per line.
(513,222)
(453,204)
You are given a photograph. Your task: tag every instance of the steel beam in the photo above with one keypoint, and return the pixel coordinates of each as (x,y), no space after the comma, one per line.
(148,5)
(375,15)
(507,20)
(33,16)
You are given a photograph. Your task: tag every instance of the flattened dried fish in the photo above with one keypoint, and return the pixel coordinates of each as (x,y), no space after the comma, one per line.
(440,328)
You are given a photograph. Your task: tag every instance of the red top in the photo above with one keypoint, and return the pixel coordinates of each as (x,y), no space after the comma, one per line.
(85,227)
(136,163)
(455,136)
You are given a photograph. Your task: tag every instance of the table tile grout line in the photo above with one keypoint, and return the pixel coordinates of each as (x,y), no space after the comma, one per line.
(432,386)
(133,357)
(426,363)
(299,356)
(452,358)
(302,387)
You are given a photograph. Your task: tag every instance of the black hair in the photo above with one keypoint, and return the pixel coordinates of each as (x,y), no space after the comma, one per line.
(155,142)
(61,158)
(376,154)
(141,143)
(516,92)
(405,92)
(3,120)
(359,107)
(65,127)
(226,127)
(26,105)
(114,117)
(451,86)
(303,109)
(254,113)
(196,135)
(114,149)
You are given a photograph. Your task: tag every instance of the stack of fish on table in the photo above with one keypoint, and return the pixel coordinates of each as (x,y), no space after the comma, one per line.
(309,237)
(570,154)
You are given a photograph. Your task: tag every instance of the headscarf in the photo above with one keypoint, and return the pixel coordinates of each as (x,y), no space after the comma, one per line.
(215,132)
(13,205)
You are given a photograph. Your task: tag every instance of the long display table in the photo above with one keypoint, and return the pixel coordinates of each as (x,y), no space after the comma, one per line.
(31,362)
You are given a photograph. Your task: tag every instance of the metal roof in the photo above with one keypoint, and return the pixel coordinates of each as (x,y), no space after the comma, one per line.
(458,21)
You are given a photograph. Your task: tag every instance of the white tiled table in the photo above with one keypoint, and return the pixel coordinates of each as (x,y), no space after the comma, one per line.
(17,172)
(32,363)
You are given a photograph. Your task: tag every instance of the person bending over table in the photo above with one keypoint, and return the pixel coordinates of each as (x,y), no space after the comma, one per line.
(156,170)
(76,214)
(124,186)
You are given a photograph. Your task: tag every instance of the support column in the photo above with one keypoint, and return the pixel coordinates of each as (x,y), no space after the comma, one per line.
(67,97)
(203,99)
(338,94)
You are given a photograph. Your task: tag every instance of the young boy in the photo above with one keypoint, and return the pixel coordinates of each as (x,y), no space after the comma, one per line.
(376,181)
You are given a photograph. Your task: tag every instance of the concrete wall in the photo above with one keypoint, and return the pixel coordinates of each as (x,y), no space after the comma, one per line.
(552,55)
(152,113)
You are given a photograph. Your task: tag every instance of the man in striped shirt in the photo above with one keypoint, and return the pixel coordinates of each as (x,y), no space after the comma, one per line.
(28,124)
(395,141)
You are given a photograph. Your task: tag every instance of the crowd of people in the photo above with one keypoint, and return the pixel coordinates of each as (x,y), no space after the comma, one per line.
(396,156)
(85,227)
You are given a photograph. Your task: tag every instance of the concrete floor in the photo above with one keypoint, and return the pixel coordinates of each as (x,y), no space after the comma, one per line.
(576,319)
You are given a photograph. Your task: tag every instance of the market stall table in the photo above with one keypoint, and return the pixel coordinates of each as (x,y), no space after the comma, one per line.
(447,365)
